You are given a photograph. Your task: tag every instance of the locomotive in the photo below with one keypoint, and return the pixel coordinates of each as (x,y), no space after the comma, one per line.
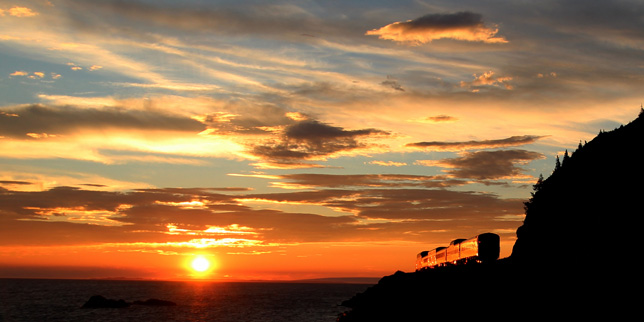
(483,248)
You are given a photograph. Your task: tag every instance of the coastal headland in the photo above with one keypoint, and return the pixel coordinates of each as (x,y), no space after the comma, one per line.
(575,255)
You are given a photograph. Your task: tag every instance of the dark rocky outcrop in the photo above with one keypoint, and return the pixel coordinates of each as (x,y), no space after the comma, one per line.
(100,302)
(575,256)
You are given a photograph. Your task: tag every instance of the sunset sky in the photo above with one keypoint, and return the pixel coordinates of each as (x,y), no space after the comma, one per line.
(291,139)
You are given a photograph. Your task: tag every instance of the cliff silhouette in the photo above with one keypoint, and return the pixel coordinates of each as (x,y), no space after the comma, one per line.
(576,254)
(593,194)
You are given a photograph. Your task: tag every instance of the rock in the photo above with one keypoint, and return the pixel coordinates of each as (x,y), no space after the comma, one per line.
(98,301)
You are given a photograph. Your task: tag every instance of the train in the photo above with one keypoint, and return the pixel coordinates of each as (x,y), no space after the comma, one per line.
(483,248)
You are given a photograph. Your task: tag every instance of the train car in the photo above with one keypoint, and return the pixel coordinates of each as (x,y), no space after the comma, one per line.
(454,251)
(424,263)
(441,256)
(419,259)
(480,249)
(433,256)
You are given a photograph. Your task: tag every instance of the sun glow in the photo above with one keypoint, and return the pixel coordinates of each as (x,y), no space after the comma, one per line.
(200,264)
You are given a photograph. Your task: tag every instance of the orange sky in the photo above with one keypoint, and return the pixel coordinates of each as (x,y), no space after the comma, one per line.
(289,140)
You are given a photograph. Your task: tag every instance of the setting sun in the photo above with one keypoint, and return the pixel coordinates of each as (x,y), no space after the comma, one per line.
(200,264)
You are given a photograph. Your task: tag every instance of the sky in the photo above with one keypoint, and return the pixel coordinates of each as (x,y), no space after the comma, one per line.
(291,139)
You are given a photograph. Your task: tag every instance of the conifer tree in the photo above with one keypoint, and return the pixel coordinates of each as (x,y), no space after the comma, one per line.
(535,188)
(557,164)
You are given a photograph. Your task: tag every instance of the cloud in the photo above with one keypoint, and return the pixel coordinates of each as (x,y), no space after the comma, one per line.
(111,134)
(464,25)
(32,179)
(312,140)
(14,182)
(55,120)
(316,181)
(20,12)
(488,79)
(440,119)
(239,120)
(33,75)
(393,83)
(438,207)
(382,209)
(388,163)
(73,66)
(484,144)
(488,165)
(78,216)
(279,20)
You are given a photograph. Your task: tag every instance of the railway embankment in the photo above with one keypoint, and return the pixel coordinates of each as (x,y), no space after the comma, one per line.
(575,256)
(506,291)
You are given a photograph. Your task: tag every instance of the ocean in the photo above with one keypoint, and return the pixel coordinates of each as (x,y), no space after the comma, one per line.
(61,300)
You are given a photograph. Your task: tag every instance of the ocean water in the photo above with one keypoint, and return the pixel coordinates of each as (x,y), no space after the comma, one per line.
(61,300)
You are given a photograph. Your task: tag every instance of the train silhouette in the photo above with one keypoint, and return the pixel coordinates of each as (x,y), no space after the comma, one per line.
(483,248)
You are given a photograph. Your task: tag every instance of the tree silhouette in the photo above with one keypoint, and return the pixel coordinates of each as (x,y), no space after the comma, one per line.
(557,164)
(565,158)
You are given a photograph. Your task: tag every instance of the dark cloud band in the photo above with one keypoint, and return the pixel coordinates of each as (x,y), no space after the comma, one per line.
(483,144)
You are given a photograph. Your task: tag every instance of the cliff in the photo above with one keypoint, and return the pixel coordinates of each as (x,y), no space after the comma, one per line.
(592,197)
(575,255)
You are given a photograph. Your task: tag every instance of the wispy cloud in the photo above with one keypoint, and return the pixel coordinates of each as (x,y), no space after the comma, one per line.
(70,132)
(489,79)
(69,119)
(441,119)
(488,165)
(19,73)
(284,21)
(19,12)
(388,163)
(201,215)
(483,144)
(316,181)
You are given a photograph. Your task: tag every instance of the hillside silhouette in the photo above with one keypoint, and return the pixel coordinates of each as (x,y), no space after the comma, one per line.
(592,195)
(575,255)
